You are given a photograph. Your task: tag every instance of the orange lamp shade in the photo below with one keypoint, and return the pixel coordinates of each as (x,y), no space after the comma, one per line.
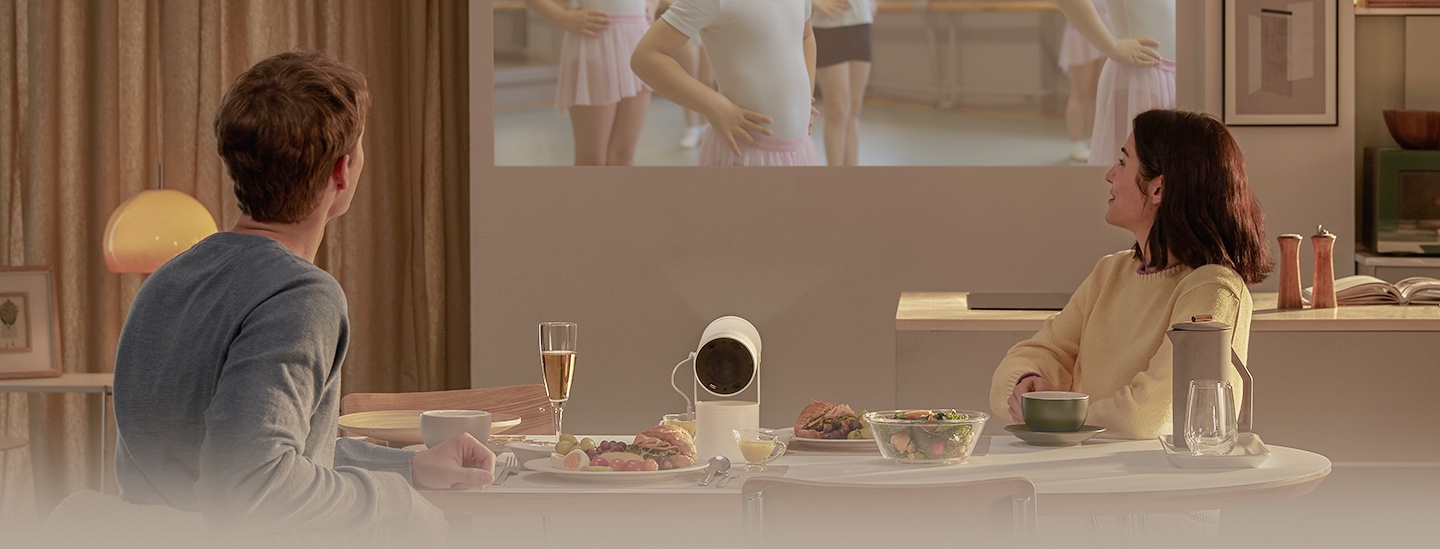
(152,227)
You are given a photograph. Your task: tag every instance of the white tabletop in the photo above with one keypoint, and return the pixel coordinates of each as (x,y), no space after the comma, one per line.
(1099,477)
(64,383)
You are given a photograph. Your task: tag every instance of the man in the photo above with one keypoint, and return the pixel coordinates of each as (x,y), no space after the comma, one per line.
(227,375)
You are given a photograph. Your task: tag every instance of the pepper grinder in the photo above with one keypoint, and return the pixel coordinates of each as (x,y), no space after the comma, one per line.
(1290,272)
(1323,296)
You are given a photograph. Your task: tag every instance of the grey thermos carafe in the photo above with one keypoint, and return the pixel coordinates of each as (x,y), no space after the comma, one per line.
(1201,350)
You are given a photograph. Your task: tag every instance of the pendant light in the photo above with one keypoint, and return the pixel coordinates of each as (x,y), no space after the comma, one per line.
(156,225)
(152,227)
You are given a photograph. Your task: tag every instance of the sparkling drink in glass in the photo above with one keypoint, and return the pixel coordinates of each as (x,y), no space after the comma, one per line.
(1210,418)
(557,358)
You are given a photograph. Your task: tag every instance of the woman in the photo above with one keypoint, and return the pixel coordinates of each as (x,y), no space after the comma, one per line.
(1180,187)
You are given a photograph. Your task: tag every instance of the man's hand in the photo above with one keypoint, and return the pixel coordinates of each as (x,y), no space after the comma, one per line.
(461,462)
(1029,384)
(586,22)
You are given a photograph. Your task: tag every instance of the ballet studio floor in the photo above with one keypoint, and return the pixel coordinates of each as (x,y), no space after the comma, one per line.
(891,134)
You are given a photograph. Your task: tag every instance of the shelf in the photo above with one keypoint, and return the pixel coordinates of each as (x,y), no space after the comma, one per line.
(1360,12)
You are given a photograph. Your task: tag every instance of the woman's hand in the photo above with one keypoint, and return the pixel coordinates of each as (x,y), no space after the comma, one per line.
(1137,51)
(734,123)
(586,22)
(1029,384)
(831,7)
(461,462)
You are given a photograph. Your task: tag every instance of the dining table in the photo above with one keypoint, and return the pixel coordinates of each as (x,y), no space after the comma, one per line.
(1099,477)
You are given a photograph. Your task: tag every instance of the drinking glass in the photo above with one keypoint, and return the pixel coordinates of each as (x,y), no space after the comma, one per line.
(759,447)
(557,358)
(1210,428)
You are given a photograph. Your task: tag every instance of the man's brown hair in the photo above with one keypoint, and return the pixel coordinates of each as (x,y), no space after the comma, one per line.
(1207,214)
(281,128)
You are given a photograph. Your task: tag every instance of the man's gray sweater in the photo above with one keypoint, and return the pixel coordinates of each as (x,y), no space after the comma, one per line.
(227,392)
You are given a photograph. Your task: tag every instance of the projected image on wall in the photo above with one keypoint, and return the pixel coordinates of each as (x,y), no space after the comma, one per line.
(948,82)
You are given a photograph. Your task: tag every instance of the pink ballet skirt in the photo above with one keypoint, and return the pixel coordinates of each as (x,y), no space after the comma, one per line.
(1124,92)
(1075,49)
(714,151)
(595,70)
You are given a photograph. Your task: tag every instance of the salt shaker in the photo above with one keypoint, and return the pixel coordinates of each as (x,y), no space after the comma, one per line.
(1323,296)
(1290,272)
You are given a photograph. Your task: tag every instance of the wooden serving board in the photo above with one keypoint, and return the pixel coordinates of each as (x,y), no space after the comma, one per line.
(402,427)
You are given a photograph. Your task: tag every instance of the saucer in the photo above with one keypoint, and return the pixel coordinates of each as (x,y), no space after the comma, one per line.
(1039,438)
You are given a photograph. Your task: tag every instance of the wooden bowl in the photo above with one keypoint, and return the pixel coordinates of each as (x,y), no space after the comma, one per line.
(1414,129)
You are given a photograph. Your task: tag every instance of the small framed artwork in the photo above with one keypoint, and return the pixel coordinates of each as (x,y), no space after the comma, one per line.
(29,327)
(1281,60)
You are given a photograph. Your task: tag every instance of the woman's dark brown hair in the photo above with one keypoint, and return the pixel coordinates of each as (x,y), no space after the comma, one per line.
(281,128)
(1207,214)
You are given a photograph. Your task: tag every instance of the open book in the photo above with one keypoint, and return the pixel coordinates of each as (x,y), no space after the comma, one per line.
(1368,290)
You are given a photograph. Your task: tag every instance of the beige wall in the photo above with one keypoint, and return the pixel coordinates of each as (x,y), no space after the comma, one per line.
(644,258)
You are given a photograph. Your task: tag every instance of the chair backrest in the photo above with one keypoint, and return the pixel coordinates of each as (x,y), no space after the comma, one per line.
(782,512)
(530,402)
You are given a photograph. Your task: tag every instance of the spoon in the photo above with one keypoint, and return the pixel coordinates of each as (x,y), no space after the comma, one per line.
(718,465)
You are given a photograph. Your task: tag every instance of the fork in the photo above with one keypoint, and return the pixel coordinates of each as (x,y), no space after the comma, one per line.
(508,463)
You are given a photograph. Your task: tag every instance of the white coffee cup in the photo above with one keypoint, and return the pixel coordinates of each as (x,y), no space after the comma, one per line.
(437,426)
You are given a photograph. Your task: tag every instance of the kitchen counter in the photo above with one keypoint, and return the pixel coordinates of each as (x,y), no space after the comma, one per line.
(1360,371)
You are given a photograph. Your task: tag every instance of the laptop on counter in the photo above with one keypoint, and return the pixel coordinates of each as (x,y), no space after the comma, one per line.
(1021,301)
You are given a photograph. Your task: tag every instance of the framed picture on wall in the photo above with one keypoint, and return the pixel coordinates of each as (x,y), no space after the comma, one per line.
(29,328)
(1281,60)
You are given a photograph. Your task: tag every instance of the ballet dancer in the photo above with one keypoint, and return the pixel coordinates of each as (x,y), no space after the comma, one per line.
(606,102)
(1081,63)
(763,55)
(1140,72)
(842,69)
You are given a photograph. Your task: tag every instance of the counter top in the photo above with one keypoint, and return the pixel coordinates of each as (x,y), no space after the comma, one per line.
(950,311)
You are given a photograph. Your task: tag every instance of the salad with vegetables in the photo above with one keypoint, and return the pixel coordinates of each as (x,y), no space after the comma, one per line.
(926,435)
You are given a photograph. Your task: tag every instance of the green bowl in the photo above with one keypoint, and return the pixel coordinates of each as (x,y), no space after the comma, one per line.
(1055,411)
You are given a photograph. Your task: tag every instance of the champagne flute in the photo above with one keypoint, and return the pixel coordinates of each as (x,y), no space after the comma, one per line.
(557,358)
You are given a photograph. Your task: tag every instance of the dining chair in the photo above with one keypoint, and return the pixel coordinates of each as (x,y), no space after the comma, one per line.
(781,512)
(530,402)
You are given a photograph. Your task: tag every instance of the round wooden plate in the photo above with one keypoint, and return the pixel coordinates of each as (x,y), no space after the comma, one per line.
(402,427)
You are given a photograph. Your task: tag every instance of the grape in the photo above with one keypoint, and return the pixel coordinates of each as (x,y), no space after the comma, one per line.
(592,453)
(599,462)
(568,437)
(632,465)
(618,446)
(604,446)
(649,465)
(564,447)
(586,443)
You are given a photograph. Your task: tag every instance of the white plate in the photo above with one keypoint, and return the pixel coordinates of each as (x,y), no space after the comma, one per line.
(543,465)
(1249,452)
(824,444)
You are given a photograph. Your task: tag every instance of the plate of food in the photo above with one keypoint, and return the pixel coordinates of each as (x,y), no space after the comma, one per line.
(543,465)
(658,452)
(829,426)
(402,427)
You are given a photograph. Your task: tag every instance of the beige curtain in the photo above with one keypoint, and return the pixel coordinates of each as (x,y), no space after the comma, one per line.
(94,94)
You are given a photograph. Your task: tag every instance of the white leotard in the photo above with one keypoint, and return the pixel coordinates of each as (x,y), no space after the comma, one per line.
(1152,18)
(613,7)
(757,53)
(861,12)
